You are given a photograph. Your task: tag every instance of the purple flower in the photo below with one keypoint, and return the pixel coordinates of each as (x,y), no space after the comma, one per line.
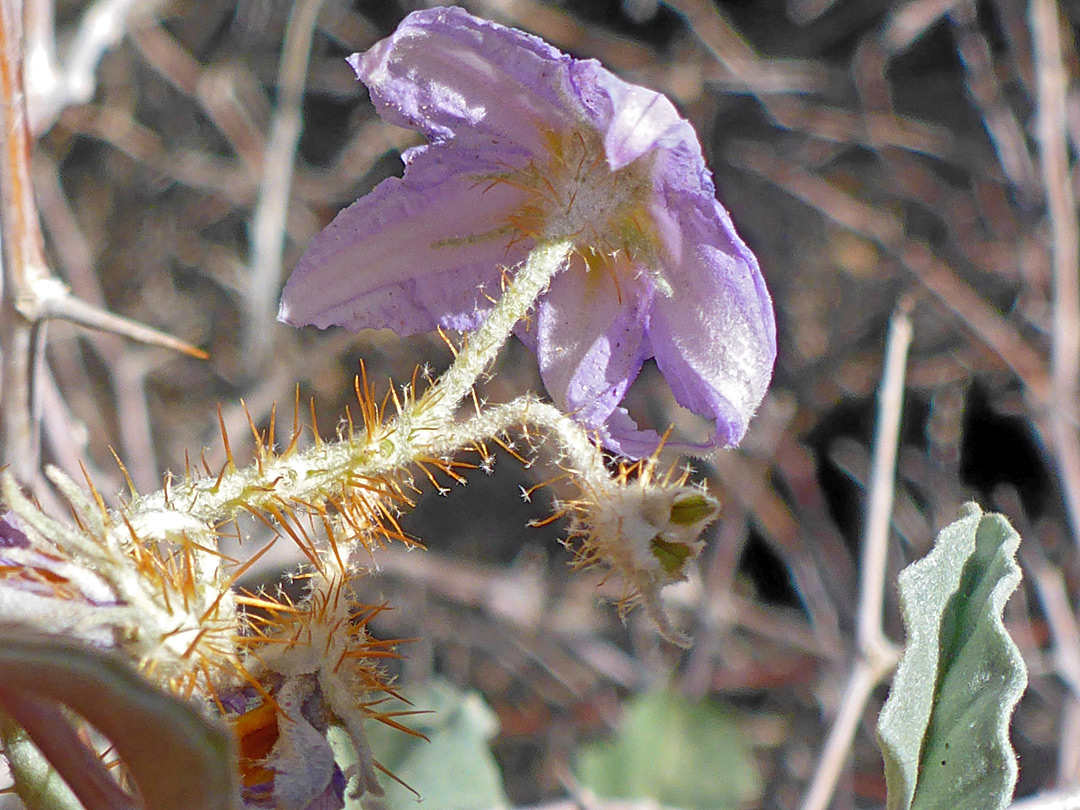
(11,532)
(528,145)
(285,758)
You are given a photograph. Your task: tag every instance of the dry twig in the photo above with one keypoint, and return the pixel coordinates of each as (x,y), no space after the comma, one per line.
(875,655)
(1065,251)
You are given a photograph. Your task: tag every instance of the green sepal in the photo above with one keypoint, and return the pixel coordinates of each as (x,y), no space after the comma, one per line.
(692,509)
(672,556)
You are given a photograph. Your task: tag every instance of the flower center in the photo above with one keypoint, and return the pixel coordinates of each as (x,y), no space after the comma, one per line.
(571,193)
(583,199)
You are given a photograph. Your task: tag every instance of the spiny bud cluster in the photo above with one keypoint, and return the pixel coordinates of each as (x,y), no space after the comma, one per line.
(646,528)
(146,581)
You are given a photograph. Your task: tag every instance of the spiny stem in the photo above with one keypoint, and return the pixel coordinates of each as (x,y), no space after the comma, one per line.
(418,430)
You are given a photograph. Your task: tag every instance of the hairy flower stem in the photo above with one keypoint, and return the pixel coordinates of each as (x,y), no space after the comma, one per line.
(481,347)
(367,461)
(580,453)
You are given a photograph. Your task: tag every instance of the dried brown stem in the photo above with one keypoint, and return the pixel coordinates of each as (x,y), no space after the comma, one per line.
(30,294)
(1064,250)
(267,229)
(23,258)
(876,656)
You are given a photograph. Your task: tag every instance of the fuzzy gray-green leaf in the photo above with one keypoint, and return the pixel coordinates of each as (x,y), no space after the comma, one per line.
(944,730)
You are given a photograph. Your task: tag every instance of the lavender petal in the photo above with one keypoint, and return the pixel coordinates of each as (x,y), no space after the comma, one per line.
(590,335)
(450,75)
(412,254)
(715,339)
(634,120)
